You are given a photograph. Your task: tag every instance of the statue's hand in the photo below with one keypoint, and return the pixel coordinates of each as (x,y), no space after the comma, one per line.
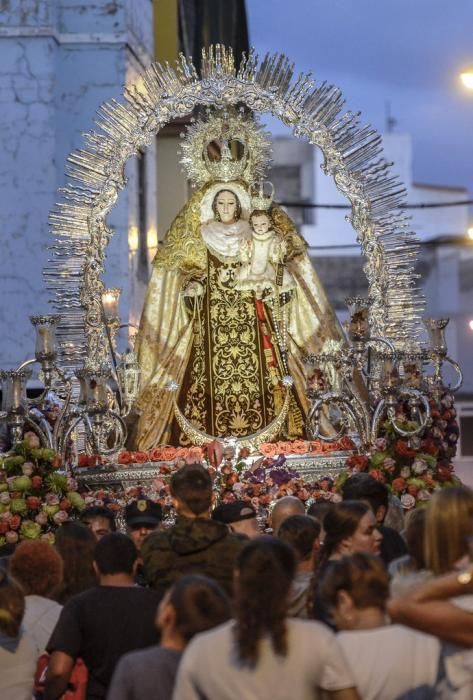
(194,289)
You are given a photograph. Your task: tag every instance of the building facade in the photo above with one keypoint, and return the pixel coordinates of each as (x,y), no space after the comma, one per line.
(60,61)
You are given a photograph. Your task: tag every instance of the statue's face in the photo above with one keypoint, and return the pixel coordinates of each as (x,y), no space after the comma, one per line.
(260,224)
(226,206)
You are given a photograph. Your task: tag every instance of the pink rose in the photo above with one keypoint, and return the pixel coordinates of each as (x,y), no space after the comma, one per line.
(52,499)
(41,518)
(31,439)
(60,517)
(27,468)
(11,537)
(408,502)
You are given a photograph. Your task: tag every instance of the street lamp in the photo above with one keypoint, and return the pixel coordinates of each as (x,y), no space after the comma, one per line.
(467,78)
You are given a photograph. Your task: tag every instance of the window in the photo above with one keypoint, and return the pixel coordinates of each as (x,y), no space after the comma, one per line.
(287,181)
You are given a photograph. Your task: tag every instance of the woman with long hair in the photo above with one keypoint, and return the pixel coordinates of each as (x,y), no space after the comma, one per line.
(17,657)
(350,526)
(262,653)
(448,529)
(387,661)
(76,544)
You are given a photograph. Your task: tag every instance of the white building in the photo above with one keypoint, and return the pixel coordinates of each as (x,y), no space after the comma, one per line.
(60,61)
(446,258)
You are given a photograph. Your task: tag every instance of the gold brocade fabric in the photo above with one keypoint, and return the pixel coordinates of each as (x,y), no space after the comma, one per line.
(226,390)
(212,345)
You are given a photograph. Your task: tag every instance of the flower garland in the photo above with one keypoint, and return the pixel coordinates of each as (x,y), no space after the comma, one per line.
(416,467)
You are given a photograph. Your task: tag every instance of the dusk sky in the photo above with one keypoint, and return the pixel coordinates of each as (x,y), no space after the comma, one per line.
(405,52)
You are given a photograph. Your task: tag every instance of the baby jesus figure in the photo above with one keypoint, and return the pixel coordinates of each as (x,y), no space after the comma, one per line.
(262,269)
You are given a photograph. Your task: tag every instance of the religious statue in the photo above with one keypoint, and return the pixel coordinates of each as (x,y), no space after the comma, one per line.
(233,304)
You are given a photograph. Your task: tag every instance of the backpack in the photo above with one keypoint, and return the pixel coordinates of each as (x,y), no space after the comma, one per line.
(76,688)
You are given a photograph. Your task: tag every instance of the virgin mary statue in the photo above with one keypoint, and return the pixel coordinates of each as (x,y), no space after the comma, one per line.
(227,348)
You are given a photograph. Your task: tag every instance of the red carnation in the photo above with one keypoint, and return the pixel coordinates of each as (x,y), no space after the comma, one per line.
(36,482)
(358,462)
(403,449)
(399,484)
(33,502)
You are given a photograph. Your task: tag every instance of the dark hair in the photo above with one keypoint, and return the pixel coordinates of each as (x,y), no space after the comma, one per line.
(340,522)
(193,486)
(115,553)
(37,567)
(237,200)
(300,532)
(266,567)
(199,603)
(319,510)
(363,576)
(363,487)
(12,605)
(76,544)
(98,512)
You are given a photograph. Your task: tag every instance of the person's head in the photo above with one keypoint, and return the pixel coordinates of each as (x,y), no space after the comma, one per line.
(191,489)
(239,516)
(264,572)
(448,528)
(302,533)
(75,543)
(362,487)
(353,585)
(115,554)
(12,605)
(319,510)
(142,517)
(193,605)
(38,568)
(350,527)
(415,535)
(226,206)
(286,506)
(260,222)
(99,520)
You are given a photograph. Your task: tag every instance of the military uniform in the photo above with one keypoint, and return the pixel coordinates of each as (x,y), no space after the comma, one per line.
(192,545)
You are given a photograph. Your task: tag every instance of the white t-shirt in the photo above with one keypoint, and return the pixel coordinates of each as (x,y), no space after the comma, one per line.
(39,621)
(210,667)
(17,669)
(387,662)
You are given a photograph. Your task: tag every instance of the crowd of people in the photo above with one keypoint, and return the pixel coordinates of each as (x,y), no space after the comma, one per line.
(327,602)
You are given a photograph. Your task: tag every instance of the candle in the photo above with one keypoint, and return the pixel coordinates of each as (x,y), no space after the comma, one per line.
(110,300)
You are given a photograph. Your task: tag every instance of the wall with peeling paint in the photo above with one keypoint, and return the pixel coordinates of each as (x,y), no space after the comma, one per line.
(60,60)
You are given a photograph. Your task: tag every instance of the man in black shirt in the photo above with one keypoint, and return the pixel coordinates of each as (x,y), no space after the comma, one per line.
(103,623)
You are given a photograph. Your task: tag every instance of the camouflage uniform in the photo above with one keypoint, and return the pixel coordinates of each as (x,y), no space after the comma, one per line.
(191,546)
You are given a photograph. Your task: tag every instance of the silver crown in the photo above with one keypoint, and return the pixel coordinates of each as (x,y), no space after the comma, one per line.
(225,167)
(261,194)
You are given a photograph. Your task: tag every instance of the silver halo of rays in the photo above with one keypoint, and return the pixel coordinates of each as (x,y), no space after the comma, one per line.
(352,155)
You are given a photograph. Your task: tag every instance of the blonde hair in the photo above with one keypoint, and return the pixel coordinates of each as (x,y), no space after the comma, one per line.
(448,525)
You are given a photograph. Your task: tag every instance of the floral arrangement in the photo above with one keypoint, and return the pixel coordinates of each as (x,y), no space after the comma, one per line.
(261,482)
(412,468)
(35,498)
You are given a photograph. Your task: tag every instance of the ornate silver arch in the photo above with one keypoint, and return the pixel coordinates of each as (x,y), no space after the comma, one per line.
(352,156)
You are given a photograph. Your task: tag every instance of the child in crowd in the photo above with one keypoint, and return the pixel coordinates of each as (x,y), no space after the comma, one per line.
(193,605)
(387,661)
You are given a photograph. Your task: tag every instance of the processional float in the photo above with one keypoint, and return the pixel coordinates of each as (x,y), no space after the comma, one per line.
(358,381)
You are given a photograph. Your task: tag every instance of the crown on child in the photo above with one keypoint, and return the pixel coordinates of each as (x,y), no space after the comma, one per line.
(261,194)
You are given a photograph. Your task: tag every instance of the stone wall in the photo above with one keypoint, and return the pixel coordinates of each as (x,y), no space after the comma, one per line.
(60,61)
